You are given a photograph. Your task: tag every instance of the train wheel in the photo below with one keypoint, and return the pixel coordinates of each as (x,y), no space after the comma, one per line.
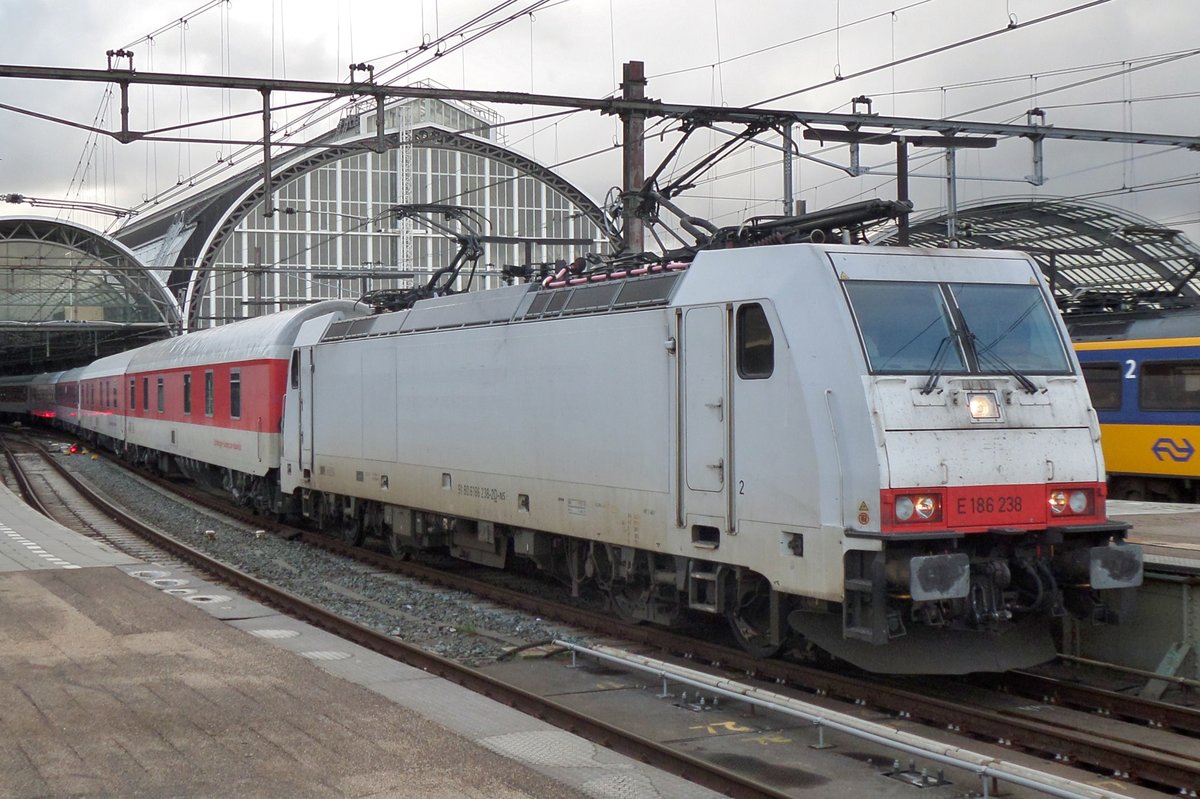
(750,621)
(627,594)
(629,601)
(397,547)
(350,528)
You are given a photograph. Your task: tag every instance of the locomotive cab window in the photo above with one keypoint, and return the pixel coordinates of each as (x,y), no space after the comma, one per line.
(755,343)
(927,328)
(1170,386)
(295,369)
(1103,385)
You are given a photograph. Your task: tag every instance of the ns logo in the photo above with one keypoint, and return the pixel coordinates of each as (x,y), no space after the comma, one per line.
(1170,448)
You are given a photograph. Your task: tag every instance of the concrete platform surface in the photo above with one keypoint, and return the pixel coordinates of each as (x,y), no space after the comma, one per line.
(109,688)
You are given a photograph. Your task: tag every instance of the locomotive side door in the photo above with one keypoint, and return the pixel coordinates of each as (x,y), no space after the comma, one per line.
(704,414)
(305,421)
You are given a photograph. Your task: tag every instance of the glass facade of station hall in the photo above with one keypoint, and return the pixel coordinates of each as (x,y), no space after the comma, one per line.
(336,231)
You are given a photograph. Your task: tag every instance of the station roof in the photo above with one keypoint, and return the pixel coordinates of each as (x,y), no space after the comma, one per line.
(69,294)
(1095,256)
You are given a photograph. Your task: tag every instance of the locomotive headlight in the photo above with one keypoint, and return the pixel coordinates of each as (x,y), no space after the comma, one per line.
(926,507)
(917,507)
(983,405)
(1072,502)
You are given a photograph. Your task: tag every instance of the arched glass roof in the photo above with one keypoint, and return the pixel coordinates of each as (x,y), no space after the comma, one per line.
(1091,253)
(69,294)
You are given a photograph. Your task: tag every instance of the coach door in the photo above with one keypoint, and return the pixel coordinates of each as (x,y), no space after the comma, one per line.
(704,414)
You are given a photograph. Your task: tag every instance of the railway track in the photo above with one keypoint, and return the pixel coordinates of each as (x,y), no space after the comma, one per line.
(1143,743)
(55,494)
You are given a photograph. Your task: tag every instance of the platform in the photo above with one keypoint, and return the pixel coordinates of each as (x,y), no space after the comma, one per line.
(1161,621)
(1169,533)
(124,679)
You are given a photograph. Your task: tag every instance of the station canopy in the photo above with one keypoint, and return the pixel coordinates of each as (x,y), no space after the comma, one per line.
(1096,257)
(69,294)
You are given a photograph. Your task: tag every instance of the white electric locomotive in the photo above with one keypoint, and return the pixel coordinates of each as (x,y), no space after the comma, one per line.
(888,452)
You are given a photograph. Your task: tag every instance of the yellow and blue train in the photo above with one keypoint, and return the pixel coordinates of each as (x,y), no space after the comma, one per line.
(1143,372)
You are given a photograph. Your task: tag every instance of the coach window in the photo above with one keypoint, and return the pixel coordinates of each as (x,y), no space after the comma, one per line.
(235,394)
(115,401)
(162,402)
(755,344)
(1104,385)
(145,393)
(187,393)
(133,393)
(1170,386)
(208,393)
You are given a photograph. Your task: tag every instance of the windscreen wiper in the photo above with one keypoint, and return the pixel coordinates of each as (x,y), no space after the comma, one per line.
(1008,369)
(939,361)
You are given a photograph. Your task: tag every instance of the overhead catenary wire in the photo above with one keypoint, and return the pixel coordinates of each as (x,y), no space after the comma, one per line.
(178,189)
(934,51)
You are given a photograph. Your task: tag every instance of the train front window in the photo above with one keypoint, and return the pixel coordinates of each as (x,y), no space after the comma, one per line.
(956,328)
(1011,329)
(906,328)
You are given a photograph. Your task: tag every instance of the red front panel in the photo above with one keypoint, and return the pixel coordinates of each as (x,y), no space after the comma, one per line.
(996,506)
(973,509)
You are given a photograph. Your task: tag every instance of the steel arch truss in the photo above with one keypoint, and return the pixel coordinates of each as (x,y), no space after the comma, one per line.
(1085,249)
(420,136)
(68,293)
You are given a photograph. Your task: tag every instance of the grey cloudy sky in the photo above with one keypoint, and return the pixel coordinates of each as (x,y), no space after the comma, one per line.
(1126,65)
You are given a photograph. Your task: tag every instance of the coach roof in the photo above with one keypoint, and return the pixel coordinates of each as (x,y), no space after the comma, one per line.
(264,337)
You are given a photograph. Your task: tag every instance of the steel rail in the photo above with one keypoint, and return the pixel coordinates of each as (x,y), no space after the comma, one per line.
(1058,691)
(24,487)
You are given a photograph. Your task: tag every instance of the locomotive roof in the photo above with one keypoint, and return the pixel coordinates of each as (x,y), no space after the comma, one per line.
(264,337)
(524,302)
(600,293)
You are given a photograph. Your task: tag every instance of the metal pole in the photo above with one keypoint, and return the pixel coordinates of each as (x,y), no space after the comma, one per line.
(633,87)
(789,207)
(902,190)
(268,198)
(951,199)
